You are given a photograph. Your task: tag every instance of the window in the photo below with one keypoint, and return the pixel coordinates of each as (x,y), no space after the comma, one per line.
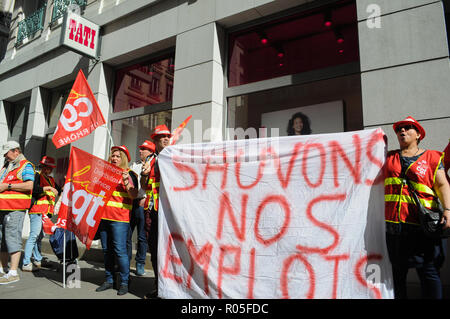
(133,131)
(140,85)
(295,44)
(447,20)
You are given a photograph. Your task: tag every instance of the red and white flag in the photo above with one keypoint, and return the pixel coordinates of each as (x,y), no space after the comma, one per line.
(81,114)
(177,132)
(89,184)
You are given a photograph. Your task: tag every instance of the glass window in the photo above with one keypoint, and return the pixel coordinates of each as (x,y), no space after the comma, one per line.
(308,41)
(61,156)
(143,84)
(447,20)
(333,105)
(133,131)
(57,103)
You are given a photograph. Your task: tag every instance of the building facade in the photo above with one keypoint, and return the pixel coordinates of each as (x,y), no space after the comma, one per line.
(250,64)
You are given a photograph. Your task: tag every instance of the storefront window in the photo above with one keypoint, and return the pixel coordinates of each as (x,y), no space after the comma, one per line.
(143,84)
(133,131)
(57,102)
(308,41)
(332,105)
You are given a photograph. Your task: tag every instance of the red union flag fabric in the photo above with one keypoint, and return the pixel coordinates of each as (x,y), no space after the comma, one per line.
(90,182)
(81,114)
(447,161)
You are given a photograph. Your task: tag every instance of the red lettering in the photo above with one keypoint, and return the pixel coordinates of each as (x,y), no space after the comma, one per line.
(185,168)
(377,137)
(202,257)
(72,27)
(322,164)
(284,275)
(225,206)
(87,34)
(355,170)
(79,35)
(251,274)
(336,259)
(287,218)
(237,173)
(309,215)
(218,167)
(361,262)
(284,180)
(93,32)
(170,259)
(231,270)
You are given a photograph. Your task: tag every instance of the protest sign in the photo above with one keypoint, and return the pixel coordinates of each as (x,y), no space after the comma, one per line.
(81,114)
(89,184)
(289,217)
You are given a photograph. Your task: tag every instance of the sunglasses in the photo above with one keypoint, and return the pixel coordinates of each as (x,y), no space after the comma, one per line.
(406,127)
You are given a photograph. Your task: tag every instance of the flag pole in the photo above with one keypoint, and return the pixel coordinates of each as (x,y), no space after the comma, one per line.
(64,260)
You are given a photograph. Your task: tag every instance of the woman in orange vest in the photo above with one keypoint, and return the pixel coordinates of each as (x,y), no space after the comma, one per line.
(115,224)
(408,247)
(45,191)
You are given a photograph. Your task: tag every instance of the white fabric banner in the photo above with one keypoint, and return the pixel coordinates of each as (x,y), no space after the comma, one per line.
(288,217)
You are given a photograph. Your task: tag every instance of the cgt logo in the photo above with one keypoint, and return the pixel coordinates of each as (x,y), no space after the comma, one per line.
(72,123)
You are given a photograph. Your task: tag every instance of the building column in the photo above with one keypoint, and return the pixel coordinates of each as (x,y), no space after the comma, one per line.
(99,77)
(35,134)
(198,84)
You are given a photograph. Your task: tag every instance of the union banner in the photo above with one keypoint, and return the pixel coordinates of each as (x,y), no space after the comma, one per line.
(81,114)
(89,184)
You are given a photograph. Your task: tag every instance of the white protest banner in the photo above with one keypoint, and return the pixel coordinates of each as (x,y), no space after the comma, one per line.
(289,217)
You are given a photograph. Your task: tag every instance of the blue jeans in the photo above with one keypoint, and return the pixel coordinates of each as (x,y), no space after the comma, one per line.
(32,245)
(113,236)
(137,219)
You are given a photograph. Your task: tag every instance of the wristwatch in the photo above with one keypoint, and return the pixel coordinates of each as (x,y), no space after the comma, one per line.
(9,187)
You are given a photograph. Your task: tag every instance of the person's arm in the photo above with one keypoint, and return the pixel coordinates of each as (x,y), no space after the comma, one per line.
(442,189)
(26,185)
(129,181)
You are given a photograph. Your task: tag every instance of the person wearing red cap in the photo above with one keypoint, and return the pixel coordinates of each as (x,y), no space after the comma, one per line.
(115,224)
(43,200)
(408,246)
(137,218)
(150,179)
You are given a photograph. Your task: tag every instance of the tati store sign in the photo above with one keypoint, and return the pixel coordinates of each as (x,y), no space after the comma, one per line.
(81,35)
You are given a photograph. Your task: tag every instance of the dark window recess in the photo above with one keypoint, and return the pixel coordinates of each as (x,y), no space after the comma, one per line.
(316,39)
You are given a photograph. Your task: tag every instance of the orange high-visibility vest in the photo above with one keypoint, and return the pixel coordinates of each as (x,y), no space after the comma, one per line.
(152,188)
(119,205)
(399,205)
(14,200)
(46,203)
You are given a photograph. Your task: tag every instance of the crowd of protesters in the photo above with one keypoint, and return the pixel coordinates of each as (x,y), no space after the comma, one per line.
(135,201)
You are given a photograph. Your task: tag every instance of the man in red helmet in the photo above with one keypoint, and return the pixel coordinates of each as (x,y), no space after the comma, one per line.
(150,179)
(137,218)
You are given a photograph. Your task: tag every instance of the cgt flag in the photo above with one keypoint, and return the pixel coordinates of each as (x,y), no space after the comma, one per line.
(81,114)
(89,184)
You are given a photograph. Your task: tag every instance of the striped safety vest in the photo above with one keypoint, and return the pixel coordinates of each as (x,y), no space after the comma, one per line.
(14,200)
(119,205)
(399,205)
(46,203)
(152,189)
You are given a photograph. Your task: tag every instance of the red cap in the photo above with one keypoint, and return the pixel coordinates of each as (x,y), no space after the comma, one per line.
(124,149)
(48,161)
(148,145)
(411,121)
(161,130)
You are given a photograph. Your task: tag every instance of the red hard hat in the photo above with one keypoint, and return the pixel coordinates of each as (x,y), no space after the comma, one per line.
(48,161)
(148,145)
(124,149)
(411,121)
(161,130)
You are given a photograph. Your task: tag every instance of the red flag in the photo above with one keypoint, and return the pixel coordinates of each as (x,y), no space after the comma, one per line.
(81,114)
(177,132)
(447,161)
(89,184)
